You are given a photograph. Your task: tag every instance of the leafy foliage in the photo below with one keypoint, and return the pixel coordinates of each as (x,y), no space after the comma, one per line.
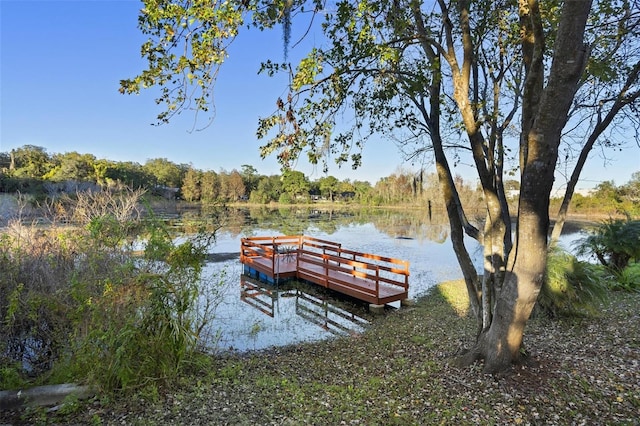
(628,279)
(572,287)
(405,186)
(187,43)
(614,243)
(79,304)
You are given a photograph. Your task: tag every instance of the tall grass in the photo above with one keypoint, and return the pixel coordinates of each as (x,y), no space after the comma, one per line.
(82,304)
(572,287)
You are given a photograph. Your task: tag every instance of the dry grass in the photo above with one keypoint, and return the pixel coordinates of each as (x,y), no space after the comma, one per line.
(586,371)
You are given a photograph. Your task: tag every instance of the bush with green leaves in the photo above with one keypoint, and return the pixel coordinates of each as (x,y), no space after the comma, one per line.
(147,327)
(572,287)
(285,198)
(81,304)
(628,279)
(614,243)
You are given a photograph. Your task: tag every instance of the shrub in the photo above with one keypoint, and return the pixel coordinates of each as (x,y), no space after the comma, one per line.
(80,304)
(144,327)
(34,309)
(614,243)
(571,287)
(628,279)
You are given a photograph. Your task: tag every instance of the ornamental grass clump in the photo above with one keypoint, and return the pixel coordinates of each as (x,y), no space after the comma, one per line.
(571,287)
(628,279)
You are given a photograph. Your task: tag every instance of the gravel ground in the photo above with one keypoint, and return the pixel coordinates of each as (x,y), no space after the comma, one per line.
(583,371)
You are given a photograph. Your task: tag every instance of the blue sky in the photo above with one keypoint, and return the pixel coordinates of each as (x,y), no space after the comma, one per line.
(61,63)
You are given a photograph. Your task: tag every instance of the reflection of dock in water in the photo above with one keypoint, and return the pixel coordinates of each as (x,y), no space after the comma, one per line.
(258,296)
(327,316)
(314,309)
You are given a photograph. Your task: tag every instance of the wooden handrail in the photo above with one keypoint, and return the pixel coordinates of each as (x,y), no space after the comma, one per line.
(330,256)
(341,265)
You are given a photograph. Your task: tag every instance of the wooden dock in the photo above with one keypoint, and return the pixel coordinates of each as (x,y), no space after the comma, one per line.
(375,279)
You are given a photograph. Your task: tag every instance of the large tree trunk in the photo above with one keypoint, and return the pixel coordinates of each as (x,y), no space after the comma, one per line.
(501,343)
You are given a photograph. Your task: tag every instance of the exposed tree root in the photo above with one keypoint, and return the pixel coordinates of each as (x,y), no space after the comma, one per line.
(467,357)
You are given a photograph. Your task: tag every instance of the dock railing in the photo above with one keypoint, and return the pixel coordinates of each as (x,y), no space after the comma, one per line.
(369,277)
(271,248)
(373,278)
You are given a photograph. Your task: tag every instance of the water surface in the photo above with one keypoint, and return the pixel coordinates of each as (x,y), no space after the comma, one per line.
(254,315)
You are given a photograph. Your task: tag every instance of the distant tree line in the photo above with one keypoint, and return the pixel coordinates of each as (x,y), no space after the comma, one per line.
(31,169)
(609,198)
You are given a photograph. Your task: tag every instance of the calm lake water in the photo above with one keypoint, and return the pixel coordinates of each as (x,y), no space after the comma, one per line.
(254,315)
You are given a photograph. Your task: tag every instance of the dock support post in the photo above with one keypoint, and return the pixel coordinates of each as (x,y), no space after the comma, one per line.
(376,309)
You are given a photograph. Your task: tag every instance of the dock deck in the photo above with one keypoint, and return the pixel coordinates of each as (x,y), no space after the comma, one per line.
(375,279)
